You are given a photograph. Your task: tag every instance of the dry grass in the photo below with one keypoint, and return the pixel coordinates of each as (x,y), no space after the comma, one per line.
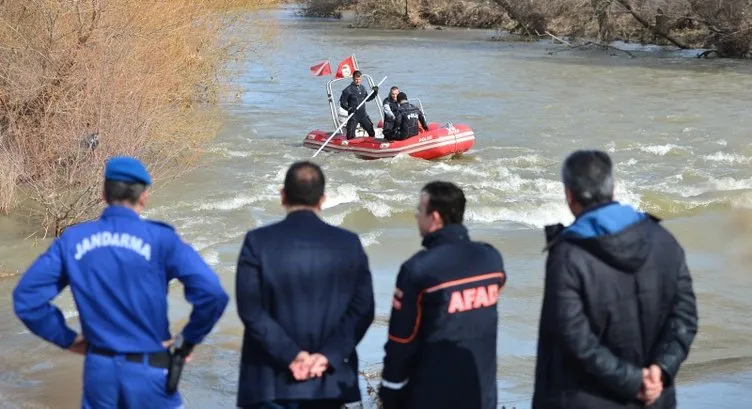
(324,8)
(421,13)
(141,78)
(386,14)
(462,13)
(10,166)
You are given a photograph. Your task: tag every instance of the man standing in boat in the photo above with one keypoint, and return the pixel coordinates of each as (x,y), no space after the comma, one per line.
(408,117)
(351,97)
(391,108)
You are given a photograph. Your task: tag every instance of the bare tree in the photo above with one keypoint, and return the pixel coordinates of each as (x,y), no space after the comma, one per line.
(729,23)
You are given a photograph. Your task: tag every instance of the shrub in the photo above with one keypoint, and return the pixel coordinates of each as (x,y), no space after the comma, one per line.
(83,80)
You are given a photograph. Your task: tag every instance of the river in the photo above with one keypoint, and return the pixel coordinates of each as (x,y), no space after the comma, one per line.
(677,128)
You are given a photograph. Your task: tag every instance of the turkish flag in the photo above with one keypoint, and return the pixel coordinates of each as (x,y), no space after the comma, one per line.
(322,68)
(346,68)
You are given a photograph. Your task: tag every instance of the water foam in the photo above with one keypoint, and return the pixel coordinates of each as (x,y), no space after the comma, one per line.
(515,185)
(338,218)
(347,193)
(727,158)
(660,150)
(370,238)
(211,257)
(379,208)
(531,216)
(233,203)
(227,153)
(729,183)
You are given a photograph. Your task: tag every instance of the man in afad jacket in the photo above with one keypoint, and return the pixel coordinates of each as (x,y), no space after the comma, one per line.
(619,314)
(441,352)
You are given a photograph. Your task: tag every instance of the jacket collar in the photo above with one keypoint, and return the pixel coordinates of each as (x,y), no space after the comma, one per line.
(448,234)
(556,232)
(302,214)
(119,211)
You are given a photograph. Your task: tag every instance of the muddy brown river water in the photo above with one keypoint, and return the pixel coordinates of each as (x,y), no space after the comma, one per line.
(678,129)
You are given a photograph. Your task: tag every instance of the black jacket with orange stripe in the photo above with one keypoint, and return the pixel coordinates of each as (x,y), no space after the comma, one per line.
(441,351)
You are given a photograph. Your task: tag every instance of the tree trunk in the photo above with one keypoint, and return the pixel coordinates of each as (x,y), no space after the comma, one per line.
(534,23)
(626,4)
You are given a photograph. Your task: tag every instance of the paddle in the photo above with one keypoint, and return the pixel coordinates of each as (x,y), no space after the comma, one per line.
(346,120)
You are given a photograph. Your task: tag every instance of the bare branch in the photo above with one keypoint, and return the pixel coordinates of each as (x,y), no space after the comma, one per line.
(628,6)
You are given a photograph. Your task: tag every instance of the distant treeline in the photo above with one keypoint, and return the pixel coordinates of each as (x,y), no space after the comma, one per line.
(724,26)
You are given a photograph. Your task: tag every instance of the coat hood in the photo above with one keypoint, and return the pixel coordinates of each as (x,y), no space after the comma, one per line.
(614,233)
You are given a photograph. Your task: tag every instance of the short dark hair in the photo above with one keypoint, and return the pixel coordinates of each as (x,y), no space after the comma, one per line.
(401,97)
(357,74)
(116,191)
(588,175)
(447,199)
(304,184)
(393,88)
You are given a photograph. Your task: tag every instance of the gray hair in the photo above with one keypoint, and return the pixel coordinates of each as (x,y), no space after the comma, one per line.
(588,174)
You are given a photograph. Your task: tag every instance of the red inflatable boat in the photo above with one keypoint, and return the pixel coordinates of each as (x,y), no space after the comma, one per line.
(438,141)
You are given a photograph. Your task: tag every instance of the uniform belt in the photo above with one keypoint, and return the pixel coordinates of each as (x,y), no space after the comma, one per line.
(157,359)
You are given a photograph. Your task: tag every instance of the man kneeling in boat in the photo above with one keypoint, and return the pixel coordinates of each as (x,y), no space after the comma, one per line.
(408,117)
(391,108)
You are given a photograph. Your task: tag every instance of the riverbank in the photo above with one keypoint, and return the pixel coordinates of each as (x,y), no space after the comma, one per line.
(720,27)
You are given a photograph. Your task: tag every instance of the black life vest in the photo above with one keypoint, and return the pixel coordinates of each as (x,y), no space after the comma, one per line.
(410,120)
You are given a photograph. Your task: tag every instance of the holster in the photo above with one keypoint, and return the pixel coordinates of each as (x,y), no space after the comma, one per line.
(177,361)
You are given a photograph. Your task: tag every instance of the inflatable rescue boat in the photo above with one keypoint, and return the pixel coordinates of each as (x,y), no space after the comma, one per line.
(436,142)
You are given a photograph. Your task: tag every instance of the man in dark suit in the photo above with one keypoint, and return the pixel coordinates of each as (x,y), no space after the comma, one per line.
(305,296)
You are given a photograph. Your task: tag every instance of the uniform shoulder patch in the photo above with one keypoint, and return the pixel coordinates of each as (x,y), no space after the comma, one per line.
(160,223)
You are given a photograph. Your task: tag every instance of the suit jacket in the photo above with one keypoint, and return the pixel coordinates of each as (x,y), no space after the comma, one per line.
(301,284)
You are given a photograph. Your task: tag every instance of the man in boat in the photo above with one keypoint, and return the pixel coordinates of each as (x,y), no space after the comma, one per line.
(441,350)
(351,97)
(408,118)
(391,108)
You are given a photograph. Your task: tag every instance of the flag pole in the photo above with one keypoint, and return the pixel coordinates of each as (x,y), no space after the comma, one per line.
(345,121)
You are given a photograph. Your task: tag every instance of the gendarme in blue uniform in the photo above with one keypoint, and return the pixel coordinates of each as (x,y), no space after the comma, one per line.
(118,268)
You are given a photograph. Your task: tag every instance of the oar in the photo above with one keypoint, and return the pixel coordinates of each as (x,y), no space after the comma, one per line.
(346,120)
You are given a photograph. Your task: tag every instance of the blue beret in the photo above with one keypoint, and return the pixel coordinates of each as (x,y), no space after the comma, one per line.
(126,169)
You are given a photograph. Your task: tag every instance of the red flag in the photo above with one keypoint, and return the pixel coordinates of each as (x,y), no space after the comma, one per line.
(346,68)
(322,68)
